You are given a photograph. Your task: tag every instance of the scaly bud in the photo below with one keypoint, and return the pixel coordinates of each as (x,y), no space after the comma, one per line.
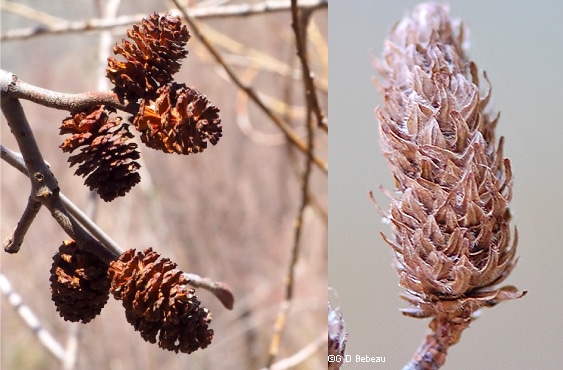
(450,221)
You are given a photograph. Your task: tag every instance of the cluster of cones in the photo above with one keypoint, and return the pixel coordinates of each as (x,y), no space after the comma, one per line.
(157,301)
(170,117)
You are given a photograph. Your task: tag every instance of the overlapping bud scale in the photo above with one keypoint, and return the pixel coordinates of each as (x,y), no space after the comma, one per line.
(451,233)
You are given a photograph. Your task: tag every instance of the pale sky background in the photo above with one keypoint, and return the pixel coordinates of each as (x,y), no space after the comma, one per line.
(520,45)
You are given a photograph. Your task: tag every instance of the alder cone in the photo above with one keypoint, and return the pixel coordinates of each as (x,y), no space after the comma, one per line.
(151,59)
(106,158)
(79,283)
(181,120)
(450,220)
(157,301)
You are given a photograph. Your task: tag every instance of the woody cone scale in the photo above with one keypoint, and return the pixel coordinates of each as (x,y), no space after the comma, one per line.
(451,235)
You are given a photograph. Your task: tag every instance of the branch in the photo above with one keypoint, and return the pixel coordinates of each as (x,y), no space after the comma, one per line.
(44,186)
(243,119)
(432,352)
(12,87)
(16,161)
(217,288)
(13,243)
(71,348)
(300,356)
(299,20)
(54,347)
(290,277)
(238,10)
(242,55)
(30,13)
(284,126)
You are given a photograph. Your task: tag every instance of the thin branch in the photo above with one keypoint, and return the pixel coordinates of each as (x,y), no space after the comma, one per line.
(431,354)
(108,12)
(300,19)
(284,126)
(243,119)
(30,13)
(71,347)
(12,87)
(16,160)
(27,315)
(300,356)
(290,277)
(246,56)
(42,180)
(238,10)
(13,243)
(254,135)
(218,288)
(44,186)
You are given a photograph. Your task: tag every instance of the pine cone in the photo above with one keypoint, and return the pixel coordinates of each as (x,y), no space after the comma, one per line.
(157,301)
(181,120)
(337,338)
(452,238)
(151,60)
(79,283)
(106,158)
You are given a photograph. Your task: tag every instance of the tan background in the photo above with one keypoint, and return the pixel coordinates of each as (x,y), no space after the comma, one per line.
(520,45)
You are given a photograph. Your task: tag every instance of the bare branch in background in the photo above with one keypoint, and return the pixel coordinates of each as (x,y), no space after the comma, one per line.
(300,356)
(284,126)
(30,13)
(300,21)
(54,27)
(305,181)
(27,315)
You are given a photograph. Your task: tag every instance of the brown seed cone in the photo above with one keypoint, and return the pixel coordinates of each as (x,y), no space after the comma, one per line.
(181,120)
(106,158)
(158,302)
(79,283)
(151,59)
(451,233)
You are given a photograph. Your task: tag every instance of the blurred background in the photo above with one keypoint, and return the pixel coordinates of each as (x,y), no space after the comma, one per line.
(227,213)
(518,43)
